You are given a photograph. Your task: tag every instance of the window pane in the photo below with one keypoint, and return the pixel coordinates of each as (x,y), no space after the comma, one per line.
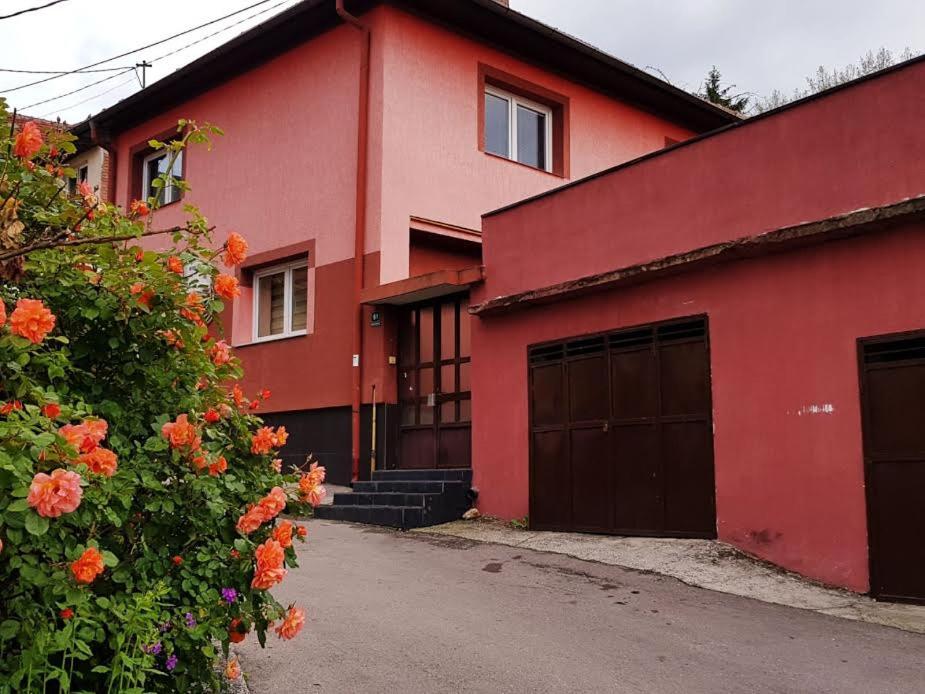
(156,167)
(448,378)
(497,125)
(407,337)
(299,298)
(465,410)
(427,382)
(448,331)
(270,304)
(531,137)
(427,334)
(465,381)
(448,412)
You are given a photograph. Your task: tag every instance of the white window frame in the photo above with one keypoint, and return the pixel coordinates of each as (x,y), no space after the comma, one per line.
(288,269)
(513,102)
(172,192)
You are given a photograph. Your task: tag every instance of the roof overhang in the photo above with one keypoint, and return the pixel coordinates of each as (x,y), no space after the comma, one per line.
(841,226)
(423,287)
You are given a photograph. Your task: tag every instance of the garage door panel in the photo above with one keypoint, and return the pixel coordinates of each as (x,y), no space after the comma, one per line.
(634,384)
(588,391)
(547,399)
(685,379)
(551,481)
(896,407)
(591,494)
(637,479)
(687,455)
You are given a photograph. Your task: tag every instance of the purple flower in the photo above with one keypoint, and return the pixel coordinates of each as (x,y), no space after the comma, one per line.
(152,649)
(171,662)
(190,620)
(165,627)
(229,595)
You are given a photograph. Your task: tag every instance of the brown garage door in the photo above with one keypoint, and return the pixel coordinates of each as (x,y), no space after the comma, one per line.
(893,398)
(621,432)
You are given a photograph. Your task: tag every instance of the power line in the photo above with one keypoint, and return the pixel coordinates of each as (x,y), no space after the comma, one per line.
(89,98)
(80,89)
(60,72)
(31,9)
(142,48)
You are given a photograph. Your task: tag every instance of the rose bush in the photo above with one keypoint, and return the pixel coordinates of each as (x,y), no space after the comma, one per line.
(140,498)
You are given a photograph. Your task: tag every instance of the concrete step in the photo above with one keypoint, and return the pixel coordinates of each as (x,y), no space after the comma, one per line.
(409,486)
(452,474)
(386,499)
(403,517)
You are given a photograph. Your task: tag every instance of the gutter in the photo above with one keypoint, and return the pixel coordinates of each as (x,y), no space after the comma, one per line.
(359,250)
(102,138)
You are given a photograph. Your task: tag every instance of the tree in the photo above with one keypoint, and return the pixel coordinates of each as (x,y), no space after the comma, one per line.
(714,92)
(140,496)
(824,78)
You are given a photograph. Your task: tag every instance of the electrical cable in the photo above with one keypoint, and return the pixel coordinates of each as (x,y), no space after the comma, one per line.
(32,9)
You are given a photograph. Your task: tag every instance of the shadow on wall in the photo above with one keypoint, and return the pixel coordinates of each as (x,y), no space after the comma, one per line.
(323,434)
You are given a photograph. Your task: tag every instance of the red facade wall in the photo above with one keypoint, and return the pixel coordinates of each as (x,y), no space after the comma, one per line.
(783,329)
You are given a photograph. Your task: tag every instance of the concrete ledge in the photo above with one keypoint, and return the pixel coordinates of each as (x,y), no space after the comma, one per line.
(701,563)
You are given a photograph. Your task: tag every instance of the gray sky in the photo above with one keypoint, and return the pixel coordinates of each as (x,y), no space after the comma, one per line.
(757,44)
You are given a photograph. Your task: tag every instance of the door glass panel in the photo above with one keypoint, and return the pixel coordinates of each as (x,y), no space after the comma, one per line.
(465,410)
(427,413)
(448,412)
(448,378)
(426,382)
(407,414)
(270,304)
(407,338)
(465,348)
(299,298)
(406,384)
(427,334)
(448,331)
(464,377)
(497,125)
(531,137)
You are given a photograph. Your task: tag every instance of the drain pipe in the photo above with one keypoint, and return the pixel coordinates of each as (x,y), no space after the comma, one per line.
(359,234)
(101,139)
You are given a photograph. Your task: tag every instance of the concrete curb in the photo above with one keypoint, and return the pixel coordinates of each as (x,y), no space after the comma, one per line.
(701,563)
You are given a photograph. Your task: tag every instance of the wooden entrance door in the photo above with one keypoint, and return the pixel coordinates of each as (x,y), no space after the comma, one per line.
(893,405)
(434,385)
(621,432)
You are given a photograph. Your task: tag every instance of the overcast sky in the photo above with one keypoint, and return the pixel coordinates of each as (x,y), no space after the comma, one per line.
(757,44)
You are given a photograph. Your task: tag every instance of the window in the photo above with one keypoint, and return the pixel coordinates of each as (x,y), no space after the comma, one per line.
(281,301)
(155,165)
(518,129)
(83,173)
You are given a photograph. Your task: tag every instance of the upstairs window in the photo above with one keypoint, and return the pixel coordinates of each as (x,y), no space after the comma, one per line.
(280,301)
(153,166)
(83,174)
(518,129)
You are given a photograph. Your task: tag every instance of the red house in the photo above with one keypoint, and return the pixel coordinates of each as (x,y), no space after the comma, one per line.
(363,145)
(725,339)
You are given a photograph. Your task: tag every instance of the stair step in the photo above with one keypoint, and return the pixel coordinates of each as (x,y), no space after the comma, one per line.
(391,516)
(409,486)
(385,499)
(452,474)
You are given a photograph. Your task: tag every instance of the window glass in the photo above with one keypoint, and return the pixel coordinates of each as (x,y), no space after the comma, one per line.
(271,305)
(497,125)
(531,137)
(299,298)
(426,346)
(465,410)
(156,166)
(448,330)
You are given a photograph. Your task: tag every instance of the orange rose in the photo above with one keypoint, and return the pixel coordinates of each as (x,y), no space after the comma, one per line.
(235,249)
(301,531)
(88,566)
(263,441)
(139,208)
(250,521)
(226,287)
(310,490)
(10,406)
(51,410)
(31,320)
(211,416)
(55,494)
(2,314)
(101,461)
(28,141)
(282,533)
(193,309)
(181,434)
(269,570)
(220,353)
(174,264)
(86,436)
(232,669)
(292,624)
(218,467)
(236,631)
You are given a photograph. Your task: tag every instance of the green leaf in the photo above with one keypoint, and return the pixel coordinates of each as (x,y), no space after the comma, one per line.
(36,524)
(20,492)
(110,559)
(8,629)
(18,506)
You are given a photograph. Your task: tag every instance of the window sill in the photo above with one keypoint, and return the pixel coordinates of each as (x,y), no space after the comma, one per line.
(272,338)
(526,166)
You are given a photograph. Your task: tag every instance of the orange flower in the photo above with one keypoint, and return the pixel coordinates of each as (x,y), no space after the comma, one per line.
(182,434)
(265,393)
(177,560)
(250,520)
(317,473)
(31,320)
(88,566)
(66,614)
(193,309)
(269,571)
(8,407)
(139,208)
(301,531)
(145,295)
(218,467)
(310,490)
(211,416)
(220,353)
(55,494)
(235,249)
(236,631)
(200,462)
(263,441)
(86,436)
(226,287)
(238,395)
(2,314)
(273,503)
(276,464)
(174,264)
(281,436)
(232,669)
(172,339)
(101,461)
(292,624)
(28,141)
(282,533)
(51,410)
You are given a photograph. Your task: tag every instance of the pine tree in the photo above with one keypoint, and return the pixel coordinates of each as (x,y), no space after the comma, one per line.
(715,92)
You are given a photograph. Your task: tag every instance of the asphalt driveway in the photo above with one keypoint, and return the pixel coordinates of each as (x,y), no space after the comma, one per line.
(405,612)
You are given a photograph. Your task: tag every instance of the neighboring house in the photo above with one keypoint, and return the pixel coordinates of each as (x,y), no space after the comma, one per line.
(91,165)
(728,341)
(362,202)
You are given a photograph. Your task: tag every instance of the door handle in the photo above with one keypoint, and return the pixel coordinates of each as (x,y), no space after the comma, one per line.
(606,427)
